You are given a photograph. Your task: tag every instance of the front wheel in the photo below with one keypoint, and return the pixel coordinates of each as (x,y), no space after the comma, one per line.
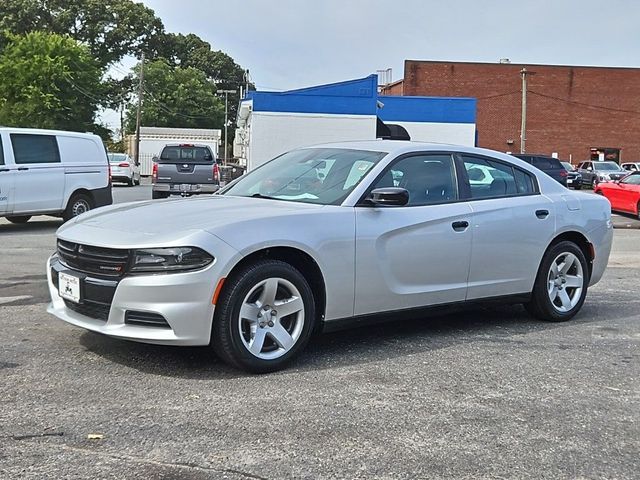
(19,219)
(561,284)
(264,317)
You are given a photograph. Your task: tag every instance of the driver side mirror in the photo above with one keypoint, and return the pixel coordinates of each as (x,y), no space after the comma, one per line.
(155,159)
(389,196)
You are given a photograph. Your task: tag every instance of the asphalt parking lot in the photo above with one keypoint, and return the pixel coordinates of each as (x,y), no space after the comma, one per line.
(487,393)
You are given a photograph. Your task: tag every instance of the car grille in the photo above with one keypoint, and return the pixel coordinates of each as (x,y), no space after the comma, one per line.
(99,311)
(110,262)
(616,176)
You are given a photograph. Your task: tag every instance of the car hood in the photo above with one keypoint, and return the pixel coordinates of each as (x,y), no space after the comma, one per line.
(166,220)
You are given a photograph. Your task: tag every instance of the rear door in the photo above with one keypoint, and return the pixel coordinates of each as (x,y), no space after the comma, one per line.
(512,226)
(6,182)
(39,174)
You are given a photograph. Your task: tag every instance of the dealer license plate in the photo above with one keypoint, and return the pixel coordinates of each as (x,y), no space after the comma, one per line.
(69,287)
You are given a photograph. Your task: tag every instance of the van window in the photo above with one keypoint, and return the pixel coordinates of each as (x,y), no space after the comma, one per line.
(29,149)
(80,150)
(1,153)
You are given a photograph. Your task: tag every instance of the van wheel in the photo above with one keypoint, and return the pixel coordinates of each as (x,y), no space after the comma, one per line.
(561,284)
(19,219)
(78,205)
(156,195)
(264,317)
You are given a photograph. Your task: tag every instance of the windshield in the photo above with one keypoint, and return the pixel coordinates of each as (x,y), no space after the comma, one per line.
(324,176)
(185,154)
(606,166)
(117,157)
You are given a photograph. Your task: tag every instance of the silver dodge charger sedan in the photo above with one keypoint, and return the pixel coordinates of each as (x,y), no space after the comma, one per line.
(324,236)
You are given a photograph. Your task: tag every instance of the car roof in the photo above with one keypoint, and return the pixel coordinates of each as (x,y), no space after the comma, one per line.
(41,131)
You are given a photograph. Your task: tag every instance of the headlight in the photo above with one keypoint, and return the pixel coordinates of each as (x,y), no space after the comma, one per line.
(167,260)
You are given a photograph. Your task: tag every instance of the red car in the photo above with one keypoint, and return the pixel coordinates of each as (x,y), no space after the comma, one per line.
(623,194)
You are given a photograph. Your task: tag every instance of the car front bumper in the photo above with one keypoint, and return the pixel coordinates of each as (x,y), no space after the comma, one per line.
(183,300)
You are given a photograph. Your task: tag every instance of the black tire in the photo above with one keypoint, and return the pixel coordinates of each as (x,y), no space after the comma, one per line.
(79,203)
(137,182)
(638,211)
(20,219)
(226,337)
(540,306)
(157,195)
(130,182)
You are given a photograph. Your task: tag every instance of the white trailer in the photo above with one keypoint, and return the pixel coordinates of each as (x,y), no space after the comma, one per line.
(152,139)
(271,123)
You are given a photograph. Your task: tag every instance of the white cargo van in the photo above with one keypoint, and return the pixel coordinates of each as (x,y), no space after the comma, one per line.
(47,172)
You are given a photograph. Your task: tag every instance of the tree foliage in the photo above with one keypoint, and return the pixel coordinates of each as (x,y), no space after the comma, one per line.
(48,81)
(176,97)
(110,28)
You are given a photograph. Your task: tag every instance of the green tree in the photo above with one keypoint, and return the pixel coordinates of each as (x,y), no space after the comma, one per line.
(48,81)
(110,28)
(176,97)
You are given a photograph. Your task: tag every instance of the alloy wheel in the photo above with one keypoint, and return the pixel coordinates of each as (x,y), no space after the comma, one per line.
(271,318)
(565,282)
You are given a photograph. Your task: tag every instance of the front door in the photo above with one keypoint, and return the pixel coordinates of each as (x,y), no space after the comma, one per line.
(38,173)
(414,255)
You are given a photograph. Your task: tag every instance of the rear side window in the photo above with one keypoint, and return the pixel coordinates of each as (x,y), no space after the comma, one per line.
(30,149)
(186,154)
(1,153)
(489,179)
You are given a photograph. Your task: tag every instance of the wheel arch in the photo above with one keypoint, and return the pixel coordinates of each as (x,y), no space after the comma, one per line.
(79,191)
(300,260)
(581,241)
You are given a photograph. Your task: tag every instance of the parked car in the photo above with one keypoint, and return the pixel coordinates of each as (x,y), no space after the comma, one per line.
(574,179)
(624,195)
(124,169)
(393,228)
(631,166)
(185,169)
(594,172)
(549,165)
(47,172)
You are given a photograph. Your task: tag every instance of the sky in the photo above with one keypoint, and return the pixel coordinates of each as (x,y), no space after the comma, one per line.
(289,44)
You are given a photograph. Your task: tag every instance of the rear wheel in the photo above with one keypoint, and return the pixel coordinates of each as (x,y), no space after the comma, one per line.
(130,182)
(561,284)
(264,317)
(19,219)
(78,204)
(156,195)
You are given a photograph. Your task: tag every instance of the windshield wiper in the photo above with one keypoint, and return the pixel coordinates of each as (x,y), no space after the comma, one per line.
(259,195)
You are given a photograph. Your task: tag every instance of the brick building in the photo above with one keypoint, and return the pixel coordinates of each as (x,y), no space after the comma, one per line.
(570,109)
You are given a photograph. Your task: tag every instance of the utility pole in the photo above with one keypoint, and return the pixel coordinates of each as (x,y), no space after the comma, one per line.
(523,125)
(139,110)
(226,120)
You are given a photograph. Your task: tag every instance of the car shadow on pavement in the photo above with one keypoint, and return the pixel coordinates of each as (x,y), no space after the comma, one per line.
(362,345)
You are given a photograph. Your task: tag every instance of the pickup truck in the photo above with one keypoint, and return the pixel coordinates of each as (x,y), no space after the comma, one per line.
(184,169)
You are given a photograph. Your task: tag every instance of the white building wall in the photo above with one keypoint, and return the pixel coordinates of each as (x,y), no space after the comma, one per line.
(453,133)
(270,134)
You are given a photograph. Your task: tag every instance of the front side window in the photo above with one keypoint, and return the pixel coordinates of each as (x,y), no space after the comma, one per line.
(324,176)
(429,179)
(30,149)
(489,179)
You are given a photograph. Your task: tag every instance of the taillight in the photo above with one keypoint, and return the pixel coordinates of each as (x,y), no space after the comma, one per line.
(563,173)
(109,172)
(216,172)
(154,172)
(124,164)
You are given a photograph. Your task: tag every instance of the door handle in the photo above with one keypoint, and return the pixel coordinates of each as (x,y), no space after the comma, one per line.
(541,214)
(460,226)
(23,168)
